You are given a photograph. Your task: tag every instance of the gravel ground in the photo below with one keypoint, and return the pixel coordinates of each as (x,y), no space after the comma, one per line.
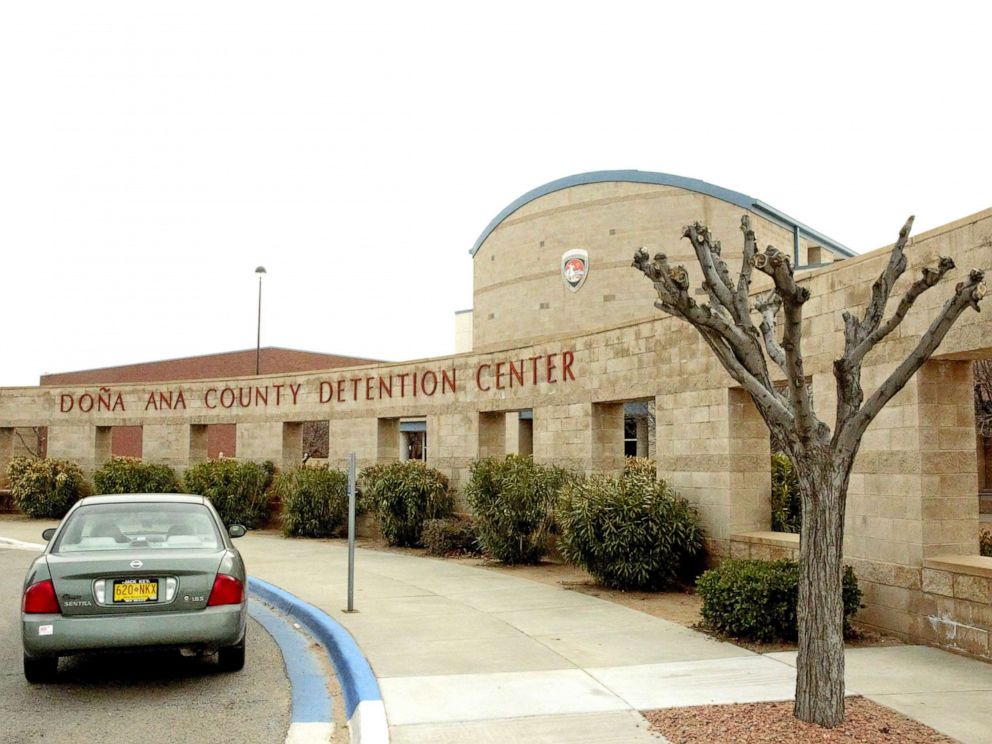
(759,723)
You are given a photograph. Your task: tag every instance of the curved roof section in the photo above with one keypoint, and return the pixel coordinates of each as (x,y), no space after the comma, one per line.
(663,179)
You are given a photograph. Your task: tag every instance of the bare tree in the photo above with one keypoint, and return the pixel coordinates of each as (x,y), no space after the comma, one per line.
(983,397)
(37,443)
(315,439)
(823,459)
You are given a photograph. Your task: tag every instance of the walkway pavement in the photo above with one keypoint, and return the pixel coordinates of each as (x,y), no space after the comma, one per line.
(465,654)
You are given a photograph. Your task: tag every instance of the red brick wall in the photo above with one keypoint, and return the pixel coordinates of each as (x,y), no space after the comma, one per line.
(230,364)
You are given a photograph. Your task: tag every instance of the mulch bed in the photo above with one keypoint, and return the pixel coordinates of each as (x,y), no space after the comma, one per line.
(759,723)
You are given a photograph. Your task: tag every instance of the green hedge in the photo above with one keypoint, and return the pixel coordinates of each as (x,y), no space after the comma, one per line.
(787,515)
(757,599)
(45,487)
(631,531)
(314,501)
(404,495)
(237,488)
(514,502)
(985,543)
(131,475)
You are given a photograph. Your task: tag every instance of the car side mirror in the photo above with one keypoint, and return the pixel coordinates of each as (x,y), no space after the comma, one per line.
(48,534)
(237,530)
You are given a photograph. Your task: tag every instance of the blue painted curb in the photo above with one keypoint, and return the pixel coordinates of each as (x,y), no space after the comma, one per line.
(307,680)
(357,680)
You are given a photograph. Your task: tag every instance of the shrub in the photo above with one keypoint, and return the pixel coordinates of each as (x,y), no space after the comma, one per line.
(514,502)
(236,488)
(786,505)
(45,488)
(640,467)
(757,599)
(314,501)
(985,543)
(630,532)
(402,496)
(130,475)
(452,536)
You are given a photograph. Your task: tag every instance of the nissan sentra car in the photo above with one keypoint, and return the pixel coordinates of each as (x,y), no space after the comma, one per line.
(135,571)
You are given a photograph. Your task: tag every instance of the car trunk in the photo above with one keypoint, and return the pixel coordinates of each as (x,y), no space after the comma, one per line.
(166,580)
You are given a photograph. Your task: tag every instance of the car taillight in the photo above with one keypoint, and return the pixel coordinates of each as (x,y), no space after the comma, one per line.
(40,598)
(227,590)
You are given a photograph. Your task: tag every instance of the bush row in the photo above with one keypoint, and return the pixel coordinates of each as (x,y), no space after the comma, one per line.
(631,531)
(49,487)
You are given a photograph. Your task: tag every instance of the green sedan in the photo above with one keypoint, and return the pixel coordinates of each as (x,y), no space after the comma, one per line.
(135,571)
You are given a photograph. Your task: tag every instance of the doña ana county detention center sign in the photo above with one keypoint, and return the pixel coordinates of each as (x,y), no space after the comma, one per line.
(497,374)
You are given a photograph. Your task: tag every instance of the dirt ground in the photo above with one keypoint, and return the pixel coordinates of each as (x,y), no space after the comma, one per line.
(758,723)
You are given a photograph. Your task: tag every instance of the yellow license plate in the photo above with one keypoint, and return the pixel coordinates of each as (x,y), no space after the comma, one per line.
(136,590)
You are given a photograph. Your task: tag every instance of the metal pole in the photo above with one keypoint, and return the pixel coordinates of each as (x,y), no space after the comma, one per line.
(351,532)
(258,339)
(260,270)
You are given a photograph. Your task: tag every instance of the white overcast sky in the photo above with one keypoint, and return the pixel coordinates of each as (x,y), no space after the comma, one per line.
(153,154)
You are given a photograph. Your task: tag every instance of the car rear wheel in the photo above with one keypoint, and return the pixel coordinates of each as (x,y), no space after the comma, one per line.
(232,658)
(40,670)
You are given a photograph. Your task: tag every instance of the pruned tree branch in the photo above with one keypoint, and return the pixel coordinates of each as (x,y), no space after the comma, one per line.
(776,265)
(736,348)
(769,305)
(968,293)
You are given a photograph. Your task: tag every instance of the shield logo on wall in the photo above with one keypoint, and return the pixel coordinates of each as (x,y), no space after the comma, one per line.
(574,268)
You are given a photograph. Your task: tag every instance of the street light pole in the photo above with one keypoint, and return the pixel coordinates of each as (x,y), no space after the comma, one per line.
(260,270)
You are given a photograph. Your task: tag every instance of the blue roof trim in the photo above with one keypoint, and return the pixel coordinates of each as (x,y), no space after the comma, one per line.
(659,179)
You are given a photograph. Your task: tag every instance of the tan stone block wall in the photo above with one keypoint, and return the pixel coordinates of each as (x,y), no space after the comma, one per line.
(492,433)
(358,435)
(453,444)
(168,444)
(87,445)
(264,441)
(519,295)
(954,609)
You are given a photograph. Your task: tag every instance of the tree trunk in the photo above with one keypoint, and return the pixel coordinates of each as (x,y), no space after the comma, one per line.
(820,666)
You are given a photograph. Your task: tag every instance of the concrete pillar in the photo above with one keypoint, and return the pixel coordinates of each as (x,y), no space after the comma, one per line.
(643,445)
(271,440)
(197,444)
(749,465)
(6,453)
(606,453)
(169,444)
(387,448)
(453,444)
(292,445)
(511,433)
(712,447)
(583,436)
(492,434)
(87,445)
(360,436)
(949,459)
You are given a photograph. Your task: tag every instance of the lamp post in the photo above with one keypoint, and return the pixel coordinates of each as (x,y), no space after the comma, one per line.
(260,270)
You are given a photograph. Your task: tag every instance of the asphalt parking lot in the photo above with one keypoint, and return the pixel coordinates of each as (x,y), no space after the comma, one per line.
(148,697)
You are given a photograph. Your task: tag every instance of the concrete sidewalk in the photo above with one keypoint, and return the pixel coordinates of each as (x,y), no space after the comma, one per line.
(465,654)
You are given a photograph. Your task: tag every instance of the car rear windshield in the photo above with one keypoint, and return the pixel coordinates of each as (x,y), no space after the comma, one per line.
(156,526)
